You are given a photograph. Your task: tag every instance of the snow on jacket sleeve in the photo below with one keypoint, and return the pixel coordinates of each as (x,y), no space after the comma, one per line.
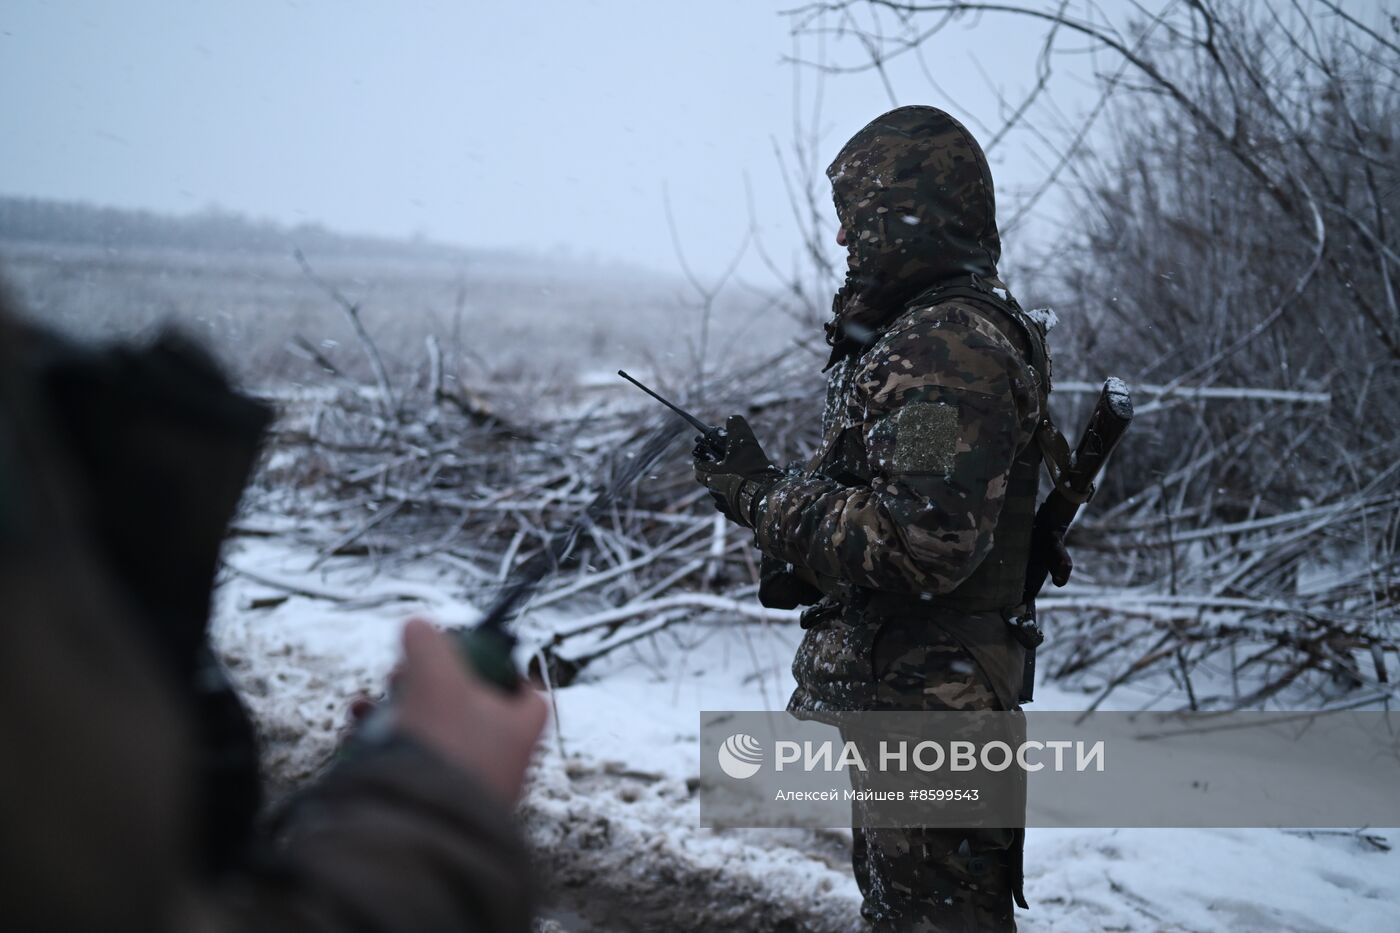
(943,407)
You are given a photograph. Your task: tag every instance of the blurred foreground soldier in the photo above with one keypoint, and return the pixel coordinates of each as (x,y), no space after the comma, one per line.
(129,786)
(910,529)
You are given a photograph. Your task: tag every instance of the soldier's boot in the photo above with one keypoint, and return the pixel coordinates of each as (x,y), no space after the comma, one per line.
(941,881)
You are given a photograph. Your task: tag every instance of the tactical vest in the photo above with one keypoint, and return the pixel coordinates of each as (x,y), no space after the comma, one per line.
(999,581)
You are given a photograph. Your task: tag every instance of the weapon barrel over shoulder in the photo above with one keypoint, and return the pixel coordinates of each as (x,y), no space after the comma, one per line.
(1074,486)
(1107,424)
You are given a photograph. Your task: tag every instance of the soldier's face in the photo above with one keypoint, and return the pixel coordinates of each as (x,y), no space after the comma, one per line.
(850,253)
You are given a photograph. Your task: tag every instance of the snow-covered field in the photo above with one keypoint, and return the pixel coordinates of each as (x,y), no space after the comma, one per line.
(612,814)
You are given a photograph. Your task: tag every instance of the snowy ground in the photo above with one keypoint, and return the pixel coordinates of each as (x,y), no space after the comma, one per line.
(613,818)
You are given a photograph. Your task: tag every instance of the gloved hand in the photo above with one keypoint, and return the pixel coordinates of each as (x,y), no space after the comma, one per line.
(741,476)
(781,586)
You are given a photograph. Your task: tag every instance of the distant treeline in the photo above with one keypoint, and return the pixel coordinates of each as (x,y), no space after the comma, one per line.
(35,220)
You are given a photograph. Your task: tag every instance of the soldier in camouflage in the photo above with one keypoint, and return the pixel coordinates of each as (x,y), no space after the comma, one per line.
(910,528)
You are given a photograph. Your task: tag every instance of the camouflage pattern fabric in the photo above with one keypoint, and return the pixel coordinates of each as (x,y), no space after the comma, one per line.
(935,880)
(849,661)
(922,431)
(929,406)
(911,878)
(916,878)
(915,195)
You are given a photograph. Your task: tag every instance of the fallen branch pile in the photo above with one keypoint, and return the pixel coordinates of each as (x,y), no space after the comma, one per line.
(1256,604)
(1185,583)
(423,473)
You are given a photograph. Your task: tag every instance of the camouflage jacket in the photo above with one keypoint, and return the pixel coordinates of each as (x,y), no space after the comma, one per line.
(919,436)
(914,516)
(929,401)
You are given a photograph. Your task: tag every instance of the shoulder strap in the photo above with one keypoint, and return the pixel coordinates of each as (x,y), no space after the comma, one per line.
(979,290)
(1054,449)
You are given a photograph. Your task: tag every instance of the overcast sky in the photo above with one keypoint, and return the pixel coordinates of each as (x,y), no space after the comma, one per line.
(542,125)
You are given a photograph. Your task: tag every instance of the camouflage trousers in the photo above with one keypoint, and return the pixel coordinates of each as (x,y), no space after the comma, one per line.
(910,878)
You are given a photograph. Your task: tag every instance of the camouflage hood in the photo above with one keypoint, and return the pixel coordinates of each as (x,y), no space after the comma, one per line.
(914,193)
